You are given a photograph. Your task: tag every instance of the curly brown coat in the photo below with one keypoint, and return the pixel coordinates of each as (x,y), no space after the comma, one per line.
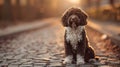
(83,49)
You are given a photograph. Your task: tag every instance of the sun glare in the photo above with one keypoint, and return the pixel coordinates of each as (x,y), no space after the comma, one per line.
(74,1)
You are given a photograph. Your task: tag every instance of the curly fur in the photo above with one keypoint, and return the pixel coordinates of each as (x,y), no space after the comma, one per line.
(74,35)
(75,40)
(74,11)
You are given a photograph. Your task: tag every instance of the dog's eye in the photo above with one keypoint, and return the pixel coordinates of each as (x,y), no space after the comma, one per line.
(74,18)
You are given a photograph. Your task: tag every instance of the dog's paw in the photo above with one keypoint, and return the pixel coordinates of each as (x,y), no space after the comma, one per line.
(68,60)
(80,60)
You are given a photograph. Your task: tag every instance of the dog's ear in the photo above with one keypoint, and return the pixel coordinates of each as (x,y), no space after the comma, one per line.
(64,19)
(76,11)
(85,16)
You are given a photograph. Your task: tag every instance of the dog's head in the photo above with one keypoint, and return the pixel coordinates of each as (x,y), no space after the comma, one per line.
(74,17)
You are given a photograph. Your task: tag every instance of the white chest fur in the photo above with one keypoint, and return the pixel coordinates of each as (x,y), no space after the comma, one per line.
(74,35)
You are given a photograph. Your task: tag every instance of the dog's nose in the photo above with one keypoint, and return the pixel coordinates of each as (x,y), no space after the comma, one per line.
(74,18)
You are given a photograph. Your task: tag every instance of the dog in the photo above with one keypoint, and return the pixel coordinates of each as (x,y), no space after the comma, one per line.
(77,48)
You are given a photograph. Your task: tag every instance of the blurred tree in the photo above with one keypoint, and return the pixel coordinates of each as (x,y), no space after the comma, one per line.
(18,7)
(112,3)
(39,7)
(28,4)
(7,12)
(53,7)
(98,3)
(28,9)
(97,8)
(89,3)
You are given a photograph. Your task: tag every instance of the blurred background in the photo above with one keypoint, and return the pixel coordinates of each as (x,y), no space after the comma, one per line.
(31,31)
(12,11)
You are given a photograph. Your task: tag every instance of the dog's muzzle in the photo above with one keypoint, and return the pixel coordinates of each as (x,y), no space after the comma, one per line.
(74,26)
(73,21)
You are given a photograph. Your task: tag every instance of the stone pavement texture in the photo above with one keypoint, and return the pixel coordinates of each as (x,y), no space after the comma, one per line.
(43,48)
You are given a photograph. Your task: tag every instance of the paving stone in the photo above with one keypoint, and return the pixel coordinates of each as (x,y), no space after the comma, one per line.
(114,62)
(30,48)
(39,61)
(44,60)
(20,56)
(2,55)
(21,61)
(29,65)
(86,65)
(54,58)
(1,61)
(4,63)
(16,63)
(13,65)
(98,63)
(40,64)
(25,60)
(8,57)
(104,66)
(30,56)
(55,65)
(103,58)
(53,61)
(70,65)
(11,61)
(45,56)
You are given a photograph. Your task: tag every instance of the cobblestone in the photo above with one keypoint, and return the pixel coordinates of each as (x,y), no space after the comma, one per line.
(13,65)
(55,64)
(26,65)
(41,48)
(40,64)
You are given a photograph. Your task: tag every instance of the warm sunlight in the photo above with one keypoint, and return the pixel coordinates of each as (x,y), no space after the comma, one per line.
(59,33)
(74,1)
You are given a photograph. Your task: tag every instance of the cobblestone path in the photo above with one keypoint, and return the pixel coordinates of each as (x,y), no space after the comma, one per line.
(41,48)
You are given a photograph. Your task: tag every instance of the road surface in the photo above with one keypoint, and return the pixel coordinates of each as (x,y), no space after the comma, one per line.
(43,47)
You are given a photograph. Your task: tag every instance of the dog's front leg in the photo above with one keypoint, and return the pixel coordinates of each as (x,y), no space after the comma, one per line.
(68,53)
(80,53)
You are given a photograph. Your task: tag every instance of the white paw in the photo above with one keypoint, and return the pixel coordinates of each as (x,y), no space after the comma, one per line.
(80,60)
(68,60)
